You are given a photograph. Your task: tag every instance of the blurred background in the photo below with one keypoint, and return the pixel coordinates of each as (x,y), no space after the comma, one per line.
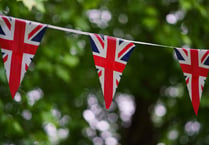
(60,101)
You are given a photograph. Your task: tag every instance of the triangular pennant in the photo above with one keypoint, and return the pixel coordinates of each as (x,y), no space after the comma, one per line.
(110,58)
(194,64)
(19,40)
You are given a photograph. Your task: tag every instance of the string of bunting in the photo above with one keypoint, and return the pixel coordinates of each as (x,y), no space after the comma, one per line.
(88,34)
(19,40)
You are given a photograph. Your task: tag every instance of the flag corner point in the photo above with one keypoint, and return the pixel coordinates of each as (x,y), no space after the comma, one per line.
(107,105)
(196,108)
(196,111)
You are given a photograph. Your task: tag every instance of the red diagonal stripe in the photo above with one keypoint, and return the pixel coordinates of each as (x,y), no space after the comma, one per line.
(100,73)
(26,67)
(5,58)
(100,40)
(34,31)
(117,82)
(125,49)
(185,51)
(204,56)
(187,80)
(7,22)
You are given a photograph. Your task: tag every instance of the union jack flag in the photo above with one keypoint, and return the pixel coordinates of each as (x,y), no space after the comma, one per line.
(19,40)
(110,57)
(194,64)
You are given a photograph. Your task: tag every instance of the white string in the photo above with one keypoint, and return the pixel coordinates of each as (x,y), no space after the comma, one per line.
(88,33)
(69,30)
(147,43)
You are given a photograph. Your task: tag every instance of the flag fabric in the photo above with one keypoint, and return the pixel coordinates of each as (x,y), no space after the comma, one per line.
(194,64)
(110,57)
(19,40)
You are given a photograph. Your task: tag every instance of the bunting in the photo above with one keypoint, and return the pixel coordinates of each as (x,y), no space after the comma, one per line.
(110,58)
(19,40)
(194,64)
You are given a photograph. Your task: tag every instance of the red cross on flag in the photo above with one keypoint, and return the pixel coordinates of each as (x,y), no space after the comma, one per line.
(194,64)
(110,57)
(19,40)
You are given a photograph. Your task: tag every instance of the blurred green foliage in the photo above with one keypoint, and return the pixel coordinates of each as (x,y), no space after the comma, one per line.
(52,100)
